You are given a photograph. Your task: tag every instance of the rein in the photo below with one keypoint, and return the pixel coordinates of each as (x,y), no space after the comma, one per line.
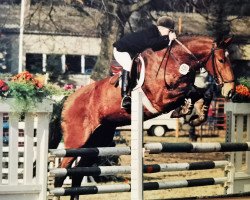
(168,51)
(187,50)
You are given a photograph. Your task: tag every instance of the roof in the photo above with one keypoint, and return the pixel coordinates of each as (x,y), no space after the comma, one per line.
(63,20)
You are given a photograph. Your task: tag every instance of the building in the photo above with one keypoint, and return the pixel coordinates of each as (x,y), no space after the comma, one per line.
(63,41)
(69,45)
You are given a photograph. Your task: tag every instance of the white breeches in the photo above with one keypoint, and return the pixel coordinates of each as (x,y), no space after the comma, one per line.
(123,58)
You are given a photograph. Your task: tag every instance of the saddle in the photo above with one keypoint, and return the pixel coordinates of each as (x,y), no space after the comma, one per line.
(116,72)
(115,68)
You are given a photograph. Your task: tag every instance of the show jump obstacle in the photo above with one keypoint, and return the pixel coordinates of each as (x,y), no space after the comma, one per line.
(22,182)
(237,169)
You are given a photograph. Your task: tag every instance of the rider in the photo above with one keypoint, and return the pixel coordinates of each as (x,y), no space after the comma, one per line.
(156,37)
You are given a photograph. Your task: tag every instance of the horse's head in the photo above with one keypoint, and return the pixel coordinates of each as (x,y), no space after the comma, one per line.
(218,65)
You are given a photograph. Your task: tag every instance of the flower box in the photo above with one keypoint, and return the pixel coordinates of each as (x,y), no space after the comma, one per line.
(9,105)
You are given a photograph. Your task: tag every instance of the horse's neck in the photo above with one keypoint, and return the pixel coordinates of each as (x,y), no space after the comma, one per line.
(162,69)
(162,66)
(200,47)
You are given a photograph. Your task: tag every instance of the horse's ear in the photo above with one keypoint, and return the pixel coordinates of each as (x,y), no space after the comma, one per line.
(225,42)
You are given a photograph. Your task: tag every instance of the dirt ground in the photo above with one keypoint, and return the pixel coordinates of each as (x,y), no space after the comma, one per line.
(171,176)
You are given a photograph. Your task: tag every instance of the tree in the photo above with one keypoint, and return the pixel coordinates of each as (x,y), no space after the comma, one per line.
(115,15)
(217,13)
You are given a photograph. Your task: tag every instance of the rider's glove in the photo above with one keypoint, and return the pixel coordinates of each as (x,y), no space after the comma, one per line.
(172,36)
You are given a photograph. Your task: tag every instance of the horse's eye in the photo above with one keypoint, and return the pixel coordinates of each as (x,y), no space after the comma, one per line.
(226,53)
(221,61)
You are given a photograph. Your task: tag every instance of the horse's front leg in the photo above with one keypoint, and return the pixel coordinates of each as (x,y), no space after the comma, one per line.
(201,108)
(193,95)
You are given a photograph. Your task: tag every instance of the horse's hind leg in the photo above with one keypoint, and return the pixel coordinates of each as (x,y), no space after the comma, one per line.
(76,137)
(59,180)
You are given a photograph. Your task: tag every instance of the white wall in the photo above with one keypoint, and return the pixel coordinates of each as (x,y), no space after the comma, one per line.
(58,44)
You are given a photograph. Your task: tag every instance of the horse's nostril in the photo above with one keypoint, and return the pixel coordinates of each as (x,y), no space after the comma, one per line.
(230,94)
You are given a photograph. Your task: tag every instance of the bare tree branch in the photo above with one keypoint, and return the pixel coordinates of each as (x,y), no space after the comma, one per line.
(51,16)
(139,5)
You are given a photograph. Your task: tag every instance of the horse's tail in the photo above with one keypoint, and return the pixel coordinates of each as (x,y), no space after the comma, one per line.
(55,130)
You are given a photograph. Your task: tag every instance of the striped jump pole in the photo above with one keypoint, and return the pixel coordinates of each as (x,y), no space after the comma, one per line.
(85,190)
(113,170)
(93,152)
(155,148)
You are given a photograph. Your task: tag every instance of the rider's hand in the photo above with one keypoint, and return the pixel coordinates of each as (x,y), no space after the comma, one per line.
(172,35)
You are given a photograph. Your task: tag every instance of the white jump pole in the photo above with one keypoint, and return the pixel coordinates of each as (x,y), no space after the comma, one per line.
(136,146)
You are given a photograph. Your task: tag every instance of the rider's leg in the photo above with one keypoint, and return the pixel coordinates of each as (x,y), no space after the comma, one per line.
(126,99)
(124,59)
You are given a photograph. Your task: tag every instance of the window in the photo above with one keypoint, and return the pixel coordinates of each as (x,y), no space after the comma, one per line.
(34,63)
(73,64)
(90,62)
(54,64)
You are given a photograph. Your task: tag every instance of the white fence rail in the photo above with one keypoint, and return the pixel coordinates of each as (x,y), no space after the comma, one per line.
(238,130)
(19,179)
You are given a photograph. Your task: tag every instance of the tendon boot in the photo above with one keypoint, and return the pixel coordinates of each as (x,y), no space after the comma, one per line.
(201,114)
(185,109)
(126,99)
(202,107)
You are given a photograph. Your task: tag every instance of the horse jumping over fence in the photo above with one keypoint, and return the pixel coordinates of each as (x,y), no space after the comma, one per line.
(91,114)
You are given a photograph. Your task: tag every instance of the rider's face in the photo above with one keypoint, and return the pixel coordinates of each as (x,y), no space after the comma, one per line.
(163,30)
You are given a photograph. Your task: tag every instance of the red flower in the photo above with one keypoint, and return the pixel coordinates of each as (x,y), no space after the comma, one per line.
(39,85)
(242,90)
(68,87)
(26,77)
(5,88)
(2,83)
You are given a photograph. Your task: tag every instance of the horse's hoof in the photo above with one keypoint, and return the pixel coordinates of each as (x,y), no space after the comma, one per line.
(184,110)
(177,113)
(196,120)
(74,197)
(194,138)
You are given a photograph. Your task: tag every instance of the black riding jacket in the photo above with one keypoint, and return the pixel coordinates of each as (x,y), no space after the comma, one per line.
(139,41)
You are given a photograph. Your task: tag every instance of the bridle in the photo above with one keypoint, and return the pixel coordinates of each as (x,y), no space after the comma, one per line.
(219,80)
(214,67)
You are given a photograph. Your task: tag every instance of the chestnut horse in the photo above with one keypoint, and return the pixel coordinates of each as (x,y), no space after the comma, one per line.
(91,114)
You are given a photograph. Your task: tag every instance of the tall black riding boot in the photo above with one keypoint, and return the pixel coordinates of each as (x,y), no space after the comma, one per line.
(126,99)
